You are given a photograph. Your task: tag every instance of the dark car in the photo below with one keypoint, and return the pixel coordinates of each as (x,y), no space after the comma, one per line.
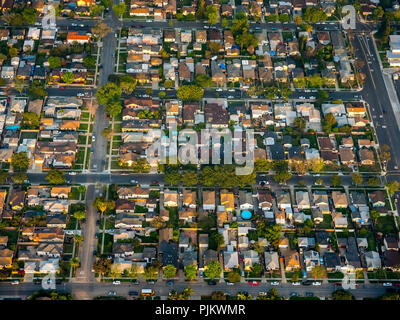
(307,283)
(154,182)
(309,294)
(133,293)
(383,110)
(151,282)
(135,281)
(95,252)
(212,282)
(170,282)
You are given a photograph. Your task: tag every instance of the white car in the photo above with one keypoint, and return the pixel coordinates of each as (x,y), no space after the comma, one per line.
(116,282)
(80,94)
(73,173)
(219,89)
(316,283)
(302,97)
(230,97)
(134,181)
(74,25)
(295,283)
(275,283)
(231,90)
(230,284)
(312,98)
(82,25)
(387,284)
(15,282)
(93,138)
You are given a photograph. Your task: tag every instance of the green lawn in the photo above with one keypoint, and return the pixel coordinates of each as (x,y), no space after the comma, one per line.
(83,126)
(82,139)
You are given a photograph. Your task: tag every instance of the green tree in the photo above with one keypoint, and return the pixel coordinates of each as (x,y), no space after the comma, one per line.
(329,122)
(30,120)
(212,14)
(299,123)
(218,295)
(103,204)
(107,133)
(68,77)
(218,238)
(342,295)
(273,234)
(114,108)
(119,9)
(356,178)
(190,92)
(127,83)
(202,80)
(234,276)
(336,181)
(108,93)
(374,215)
(54,62)
(3,176)
(225,23)
(74,263)
(89,62)
(80,215)
(318,272)
(392,187)
(19,178)
(150,272)
(282,176)
(373,181)
(96,10)
(190,271)
(213,270)
(55,176)
(169,271)
(102,266)
(36,90)
(313,15)
(29,15)
(322,96)
(189,178)
(317,165)
(20,162)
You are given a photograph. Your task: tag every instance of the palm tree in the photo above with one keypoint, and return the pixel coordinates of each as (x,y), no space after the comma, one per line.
(74,263)
(78,239)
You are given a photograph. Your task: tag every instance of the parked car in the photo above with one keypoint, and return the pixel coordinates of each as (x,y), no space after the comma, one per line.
(112,293)
(116,282)
(295,283)
(133,293)
(294,294)
(275,283)
(229,283)
(135,281)
(212,282)
(387,284)
(316,283)
(15,282)
(170,282)
(309,294)
(254,283)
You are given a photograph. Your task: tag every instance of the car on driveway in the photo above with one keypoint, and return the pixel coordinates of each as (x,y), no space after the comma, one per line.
(275,283)
(254,283)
